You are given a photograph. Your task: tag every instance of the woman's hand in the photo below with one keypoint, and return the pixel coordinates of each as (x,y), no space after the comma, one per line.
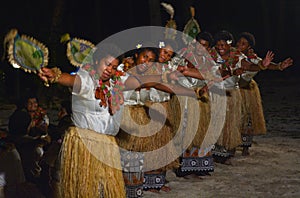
(174,76)
(286,63)
(238,71)
(268,59)
(46,74)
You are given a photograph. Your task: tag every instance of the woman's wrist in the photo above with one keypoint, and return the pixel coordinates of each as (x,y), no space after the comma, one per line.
(199,92)
(280,66)
(165,77)
(57,74)
(261,65)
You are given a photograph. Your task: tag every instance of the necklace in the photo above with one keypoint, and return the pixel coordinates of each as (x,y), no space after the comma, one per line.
(111,93)
(231,61)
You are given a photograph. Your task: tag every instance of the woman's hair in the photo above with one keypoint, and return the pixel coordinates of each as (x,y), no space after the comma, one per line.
(249,37)
(170,42)
(19,122)
(103,50)
(26,97)
(225,36)
(146,46)
(143,49)
(205,36)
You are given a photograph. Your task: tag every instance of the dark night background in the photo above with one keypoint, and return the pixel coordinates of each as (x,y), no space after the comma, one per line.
(275,23)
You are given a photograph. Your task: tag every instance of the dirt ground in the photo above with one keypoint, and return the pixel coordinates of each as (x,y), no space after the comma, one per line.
(272,170)
(273,167)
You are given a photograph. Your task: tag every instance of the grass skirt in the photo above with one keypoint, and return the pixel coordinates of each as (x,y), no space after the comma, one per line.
(231,135)
(204,114)
(198,122)
(252,110)
(148,129)
(90,165)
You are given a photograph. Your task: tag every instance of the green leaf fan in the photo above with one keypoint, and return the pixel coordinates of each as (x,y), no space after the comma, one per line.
(78,50)
(25,52)
(191,29)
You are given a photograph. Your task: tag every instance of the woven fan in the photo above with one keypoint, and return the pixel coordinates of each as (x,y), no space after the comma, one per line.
(191,29)
(25,52)
(78,50)
(170,32)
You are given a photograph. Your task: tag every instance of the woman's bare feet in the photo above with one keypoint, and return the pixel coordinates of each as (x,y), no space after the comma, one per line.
(163,188)
(166,188)
(153,190)
(192,176)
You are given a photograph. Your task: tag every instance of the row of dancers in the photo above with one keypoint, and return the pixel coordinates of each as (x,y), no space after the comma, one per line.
(156,108)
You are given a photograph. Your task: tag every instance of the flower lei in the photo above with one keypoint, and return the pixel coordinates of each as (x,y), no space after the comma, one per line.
(108,95)
(232,60)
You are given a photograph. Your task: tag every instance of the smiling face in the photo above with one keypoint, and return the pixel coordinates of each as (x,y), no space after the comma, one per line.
(243,45)
(165,54)
(222,47)
(144,60)
(107,67)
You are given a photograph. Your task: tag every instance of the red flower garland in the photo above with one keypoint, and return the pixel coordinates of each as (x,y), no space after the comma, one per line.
(232,60)
(109,95)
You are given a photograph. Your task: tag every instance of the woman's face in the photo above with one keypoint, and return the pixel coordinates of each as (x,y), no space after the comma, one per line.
(32,104)
(107,67)
(165,54)
(243,45)
(222,47)
(204,43)
(144,60)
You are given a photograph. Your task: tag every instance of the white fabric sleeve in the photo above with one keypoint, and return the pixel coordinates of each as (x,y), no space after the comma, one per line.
(85,86)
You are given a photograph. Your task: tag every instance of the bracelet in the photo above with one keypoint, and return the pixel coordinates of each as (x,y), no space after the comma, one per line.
(198,92)
(279,67)
(164,77)
(261,66)
(57,72)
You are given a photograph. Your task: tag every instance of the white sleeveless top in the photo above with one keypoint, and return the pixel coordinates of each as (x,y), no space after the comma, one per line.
(249,75)
(87,112)
(232,81)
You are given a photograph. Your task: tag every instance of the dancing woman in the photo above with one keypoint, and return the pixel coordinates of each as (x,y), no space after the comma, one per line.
(90,158)
(142,133)
(253,122)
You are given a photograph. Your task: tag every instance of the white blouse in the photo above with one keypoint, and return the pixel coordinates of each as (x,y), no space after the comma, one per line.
(249,75)
(232,81)
(87,112)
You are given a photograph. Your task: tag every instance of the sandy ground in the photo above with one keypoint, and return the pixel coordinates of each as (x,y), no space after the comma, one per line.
(272,170)
(273,167)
